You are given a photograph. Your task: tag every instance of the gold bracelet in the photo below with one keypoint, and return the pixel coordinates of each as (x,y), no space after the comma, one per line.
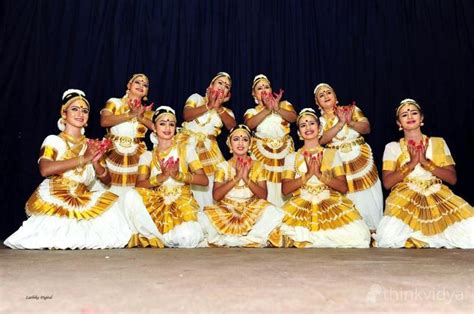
(222,111)
(404,170)
(303,177)
(103,173)
(180,177)
(154,181)
(430,166)
(325,178)
(81,161)
(207,107)
(186,178)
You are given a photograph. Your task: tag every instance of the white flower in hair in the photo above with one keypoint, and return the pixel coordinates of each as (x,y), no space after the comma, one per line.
(260,76)
(72,90)
(165,108)
(304,110)
(409,100)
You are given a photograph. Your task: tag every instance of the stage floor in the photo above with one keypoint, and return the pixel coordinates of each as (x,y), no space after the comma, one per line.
(237,280)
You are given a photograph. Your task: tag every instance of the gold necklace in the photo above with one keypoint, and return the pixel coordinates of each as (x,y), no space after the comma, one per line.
(75,150)
(160,155)
(312,150)
(209,114)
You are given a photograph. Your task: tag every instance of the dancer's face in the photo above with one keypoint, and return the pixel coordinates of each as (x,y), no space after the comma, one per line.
(409,117)
(77,113)
(325,98)
(165,126)
(138,87)
(262,86)
(222,83)
(240,142)
(308,127)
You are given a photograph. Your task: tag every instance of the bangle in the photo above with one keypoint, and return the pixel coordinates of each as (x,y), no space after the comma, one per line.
(186,178)
(103,173)
(235,180)
(81,161)
(190,178)
(404,170)
(325,178)
(222,111)
(303,178)
(207,107)
(430,166)
(180,177)
(154,181)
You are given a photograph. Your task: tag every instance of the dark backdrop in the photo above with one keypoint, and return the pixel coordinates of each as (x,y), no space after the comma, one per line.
(374,52)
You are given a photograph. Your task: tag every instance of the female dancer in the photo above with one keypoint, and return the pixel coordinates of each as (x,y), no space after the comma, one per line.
(242,216)
(271,120)
(161,210)
(342,129)
(204,118)
(318,214)
(127,120)
(64,214)
(421,211)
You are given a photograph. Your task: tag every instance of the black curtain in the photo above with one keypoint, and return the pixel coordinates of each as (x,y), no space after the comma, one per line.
(374,52)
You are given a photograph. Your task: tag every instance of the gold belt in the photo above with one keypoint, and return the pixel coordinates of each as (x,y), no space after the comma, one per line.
(175,190)
(71,184)
(314,189)
(198,135)
(124,141)
(347,147)
(423,183)
(274,143)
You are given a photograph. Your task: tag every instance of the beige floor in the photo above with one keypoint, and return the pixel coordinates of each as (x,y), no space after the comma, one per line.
(237,280)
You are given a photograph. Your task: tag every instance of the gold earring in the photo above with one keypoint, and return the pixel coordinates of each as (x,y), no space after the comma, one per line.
(145,98)
(400,128)
(422,124)
(85,125)
(299,136)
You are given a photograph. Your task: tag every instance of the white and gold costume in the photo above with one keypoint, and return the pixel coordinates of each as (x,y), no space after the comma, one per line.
(127,137)
(270,145)
(165,215)
(421,211)
(365,189)
(64,214)
(240,219)
(318,216)
(200,134)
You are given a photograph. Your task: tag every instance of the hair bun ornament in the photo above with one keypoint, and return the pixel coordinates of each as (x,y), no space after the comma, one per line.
(73,91)
(165,109)
(259,77)
(307,110)
(407,101)
(321,85)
